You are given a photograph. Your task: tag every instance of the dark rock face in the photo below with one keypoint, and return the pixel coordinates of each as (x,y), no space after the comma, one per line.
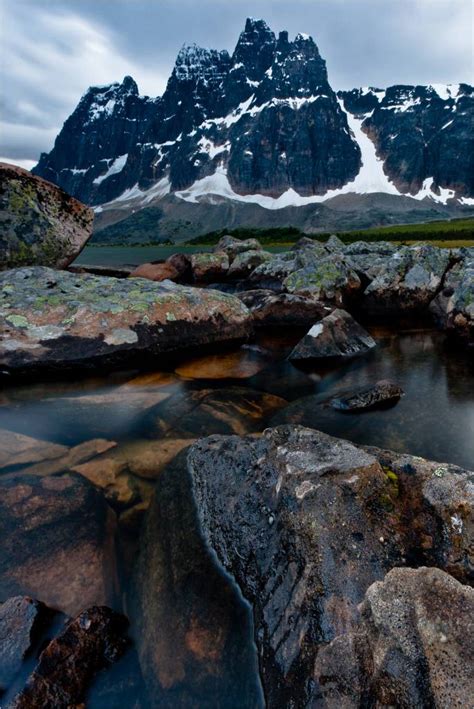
(52,318)
(92,641)
(268,114)
(57,541)
(453,308)
(336,335)
(39,223)
(21,620)
(306,523)
(421,133)
(411,648)
(384,393)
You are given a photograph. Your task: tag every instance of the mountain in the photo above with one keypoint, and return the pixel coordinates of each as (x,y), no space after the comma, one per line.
(263,128)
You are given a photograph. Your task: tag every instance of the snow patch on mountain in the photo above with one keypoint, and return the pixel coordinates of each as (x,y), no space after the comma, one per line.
(117,166)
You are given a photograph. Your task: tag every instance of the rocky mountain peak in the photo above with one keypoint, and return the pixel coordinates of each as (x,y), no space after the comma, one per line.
(255,48)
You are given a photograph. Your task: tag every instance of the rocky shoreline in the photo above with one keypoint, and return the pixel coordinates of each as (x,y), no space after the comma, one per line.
(270,564)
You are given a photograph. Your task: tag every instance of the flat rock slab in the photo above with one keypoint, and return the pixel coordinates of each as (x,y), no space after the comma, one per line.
(52,319)
(40,224)
(228,365)
(379,395)
(16,449)
(337,335)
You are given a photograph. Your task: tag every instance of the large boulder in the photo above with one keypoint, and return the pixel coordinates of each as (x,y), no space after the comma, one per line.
(232,246)
(453,308)
(209,267)
(57,541)
(55,319)
(245,262)
(337,335)
(407,282)
(306,523)
(39,223)
(413,646)
(329,278)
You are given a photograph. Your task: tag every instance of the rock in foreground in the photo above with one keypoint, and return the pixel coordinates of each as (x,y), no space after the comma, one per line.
(306,523)
(413,646)
(39,223)
(53,319)
(336,335)
(68,664)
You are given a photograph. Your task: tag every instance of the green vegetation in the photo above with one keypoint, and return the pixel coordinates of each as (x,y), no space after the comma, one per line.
(453,232)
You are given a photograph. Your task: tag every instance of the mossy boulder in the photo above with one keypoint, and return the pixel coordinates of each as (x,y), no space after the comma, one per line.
(39,223)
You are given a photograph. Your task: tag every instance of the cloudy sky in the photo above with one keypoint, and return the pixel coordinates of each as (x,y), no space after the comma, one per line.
(52,50)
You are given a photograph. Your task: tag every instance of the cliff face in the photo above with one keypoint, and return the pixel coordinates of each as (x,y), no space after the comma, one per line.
(264,121)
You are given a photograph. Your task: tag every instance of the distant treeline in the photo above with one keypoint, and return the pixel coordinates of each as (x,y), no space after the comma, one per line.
(446,230)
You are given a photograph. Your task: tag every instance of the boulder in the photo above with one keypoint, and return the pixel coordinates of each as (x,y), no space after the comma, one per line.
(182,264)
(21,622)
(335,244)
(232,246)
(68,664)
(328,278)
(379,395)
(209,267)
(407,282)
(306,523)
(57,541)
(39,223)
(53,319)
(270,309)
(245,262)
(155,271)
(272,273)
(337,335)
(412,647)
(453,308)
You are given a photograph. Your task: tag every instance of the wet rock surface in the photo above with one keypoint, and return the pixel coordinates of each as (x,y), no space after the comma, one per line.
(306,523)
(66,667)
(381,394)
(53,319)
(57,541)
(336,335)
(40,224)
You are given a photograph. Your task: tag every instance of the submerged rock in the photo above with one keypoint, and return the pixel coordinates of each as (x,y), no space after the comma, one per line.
(67,666)
(21,622)
(382,394)
(412,647)
(40,224)
(228,365)
(306,523)
(53,319)
(16,450)
(336,335)
(57,541)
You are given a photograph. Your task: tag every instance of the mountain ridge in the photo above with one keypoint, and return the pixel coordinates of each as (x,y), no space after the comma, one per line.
(263,126)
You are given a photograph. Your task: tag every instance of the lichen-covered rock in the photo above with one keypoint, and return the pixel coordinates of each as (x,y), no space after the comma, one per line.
(453,308)
(306,523)
(383,393)
(21,623)
(39,223)
(68,664)
(232,246)
(413,646)
(52,319)
(270,309)
(272,273)
(336,335)
(408,281)
(209,267)
(57,541)
(328,278)
(245,262)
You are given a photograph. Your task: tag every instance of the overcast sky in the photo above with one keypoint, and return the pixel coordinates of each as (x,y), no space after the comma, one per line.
(52,50)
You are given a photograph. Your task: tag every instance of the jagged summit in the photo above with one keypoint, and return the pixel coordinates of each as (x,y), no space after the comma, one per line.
(263,124)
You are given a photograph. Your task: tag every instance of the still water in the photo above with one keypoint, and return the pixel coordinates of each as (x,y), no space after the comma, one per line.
(151,416)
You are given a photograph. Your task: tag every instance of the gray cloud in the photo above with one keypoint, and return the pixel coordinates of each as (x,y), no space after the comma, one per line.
(52,50)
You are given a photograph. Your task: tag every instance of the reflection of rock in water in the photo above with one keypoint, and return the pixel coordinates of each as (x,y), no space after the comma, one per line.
(193,631)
